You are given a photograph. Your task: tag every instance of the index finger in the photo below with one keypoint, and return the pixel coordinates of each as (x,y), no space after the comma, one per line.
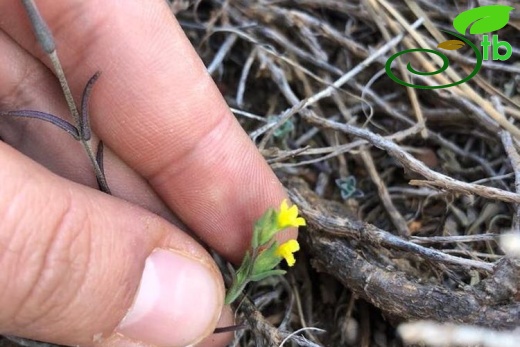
(159,110)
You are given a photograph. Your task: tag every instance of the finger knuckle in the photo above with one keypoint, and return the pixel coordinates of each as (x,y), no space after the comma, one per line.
(42,268)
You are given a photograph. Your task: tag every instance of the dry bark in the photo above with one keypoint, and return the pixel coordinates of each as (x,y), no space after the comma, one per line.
(348,253)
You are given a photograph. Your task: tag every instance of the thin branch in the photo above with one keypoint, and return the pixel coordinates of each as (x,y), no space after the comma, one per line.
(47,117)
(409,162)
(374,56)
(85,119)
(44,37)
(514,157)
(344,227)
(225,47)
(299,105)
(455,238)
(396,217)
(40,28)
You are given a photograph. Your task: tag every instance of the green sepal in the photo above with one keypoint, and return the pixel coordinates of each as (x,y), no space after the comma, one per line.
(266,274)
(266,260)
(265,228)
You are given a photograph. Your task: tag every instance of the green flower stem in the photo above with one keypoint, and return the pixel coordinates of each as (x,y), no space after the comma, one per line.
(242,276)
(235,290)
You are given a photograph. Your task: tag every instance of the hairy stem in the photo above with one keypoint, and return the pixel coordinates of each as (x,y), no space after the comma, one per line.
(46,40)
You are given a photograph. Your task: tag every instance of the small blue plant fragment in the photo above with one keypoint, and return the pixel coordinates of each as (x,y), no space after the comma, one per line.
(347,188)
(286,128)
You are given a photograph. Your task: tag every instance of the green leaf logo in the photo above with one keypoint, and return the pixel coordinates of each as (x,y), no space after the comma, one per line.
(483,19)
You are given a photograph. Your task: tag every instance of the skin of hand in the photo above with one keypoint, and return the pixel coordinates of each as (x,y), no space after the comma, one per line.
(80,267)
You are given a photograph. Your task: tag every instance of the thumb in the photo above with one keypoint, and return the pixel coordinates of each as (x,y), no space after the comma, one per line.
(79,267)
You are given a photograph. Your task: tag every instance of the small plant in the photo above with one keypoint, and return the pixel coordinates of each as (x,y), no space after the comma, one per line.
(265,253)
(285,129)
(80,130)
(348,189)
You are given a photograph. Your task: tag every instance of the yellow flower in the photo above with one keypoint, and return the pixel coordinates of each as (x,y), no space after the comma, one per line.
(286,251)
(288,216)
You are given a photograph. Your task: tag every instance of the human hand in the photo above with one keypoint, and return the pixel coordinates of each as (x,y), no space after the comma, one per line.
(72,258)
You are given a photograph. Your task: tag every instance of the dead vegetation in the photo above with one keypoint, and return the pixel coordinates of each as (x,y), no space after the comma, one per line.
(405,190)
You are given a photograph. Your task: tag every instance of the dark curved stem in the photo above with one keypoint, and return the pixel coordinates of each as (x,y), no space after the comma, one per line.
(103,186)
(47,117)
(84,122)
(229,328)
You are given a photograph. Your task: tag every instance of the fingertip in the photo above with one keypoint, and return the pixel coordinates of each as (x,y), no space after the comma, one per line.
(212,340)
(178,302)
(221,339)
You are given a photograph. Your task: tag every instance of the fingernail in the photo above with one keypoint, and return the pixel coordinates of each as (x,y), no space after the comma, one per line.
(177,304)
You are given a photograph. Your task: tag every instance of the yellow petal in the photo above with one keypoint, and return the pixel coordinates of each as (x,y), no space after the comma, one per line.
(290,259)
(292,246)
(288,216)
(300,222)
(286,251)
